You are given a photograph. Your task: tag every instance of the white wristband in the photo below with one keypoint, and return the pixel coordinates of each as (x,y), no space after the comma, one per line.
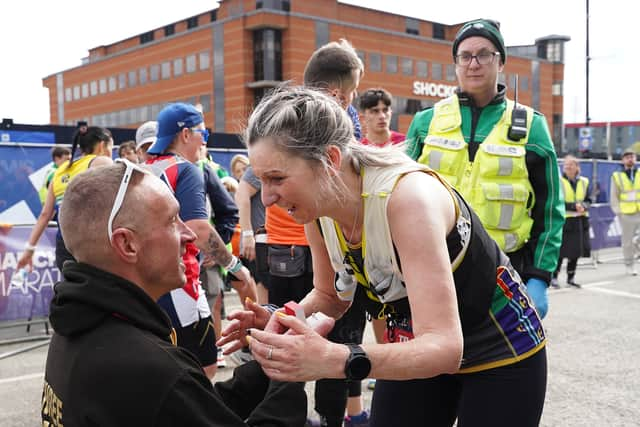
(29,247)
(246,233)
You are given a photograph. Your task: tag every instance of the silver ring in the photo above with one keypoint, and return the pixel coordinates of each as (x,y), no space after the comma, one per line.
(270,352)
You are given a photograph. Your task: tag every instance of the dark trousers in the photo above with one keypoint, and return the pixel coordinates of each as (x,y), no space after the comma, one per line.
(499,397)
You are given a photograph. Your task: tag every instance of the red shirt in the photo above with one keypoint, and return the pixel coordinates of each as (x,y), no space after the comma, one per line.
(396,138)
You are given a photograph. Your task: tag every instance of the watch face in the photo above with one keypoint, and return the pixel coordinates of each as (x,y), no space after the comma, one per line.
(359,367)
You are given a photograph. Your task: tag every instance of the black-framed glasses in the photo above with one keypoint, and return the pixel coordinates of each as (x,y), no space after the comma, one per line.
(122,191)
(483,58)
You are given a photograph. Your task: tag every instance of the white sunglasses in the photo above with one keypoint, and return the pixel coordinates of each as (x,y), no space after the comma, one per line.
(122,191)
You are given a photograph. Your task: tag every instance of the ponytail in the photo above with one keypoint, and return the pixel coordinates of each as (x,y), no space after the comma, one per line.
(87,137)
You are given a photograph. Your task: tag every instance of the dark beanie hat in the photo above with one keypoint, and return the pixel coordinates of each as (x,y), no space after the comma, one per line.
(486,28)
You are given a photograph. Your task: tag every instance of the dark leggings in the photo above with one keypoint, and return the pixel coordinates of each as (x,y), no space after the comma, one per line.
(505,396)
(572,264)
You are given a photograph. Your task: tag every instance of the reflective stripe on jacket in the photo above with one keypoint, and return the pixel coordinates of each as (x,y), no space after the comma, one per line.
(497,183)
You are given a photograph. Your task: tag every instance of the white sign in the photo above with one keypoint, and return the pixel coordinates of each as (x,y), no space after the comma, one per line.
(433,89)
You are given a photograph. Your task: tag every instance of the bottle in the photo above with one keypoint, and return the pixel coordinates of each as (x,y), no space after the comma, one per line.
(19,279)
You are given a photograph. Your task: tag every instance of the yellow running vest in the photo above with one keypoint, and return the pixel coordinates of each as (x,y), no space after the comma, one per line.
(629,192)
(576,196)
(496,184)
(65,174)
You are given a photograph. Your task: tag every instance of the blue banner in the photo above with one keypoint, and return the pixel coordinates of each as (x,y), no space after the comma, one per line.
(605,228)
(30,298)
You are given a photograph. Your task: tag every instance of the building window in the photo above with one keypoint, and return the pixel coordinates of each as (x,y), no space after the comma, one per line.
(191,63)
(103,86)
(113,84)
(122,81)
(192,22)
(267,54)
(205,101)
(554,51)
(438,31)
(362,55)
(155,73)
(142,114)
(133,79)
(146,37)
(412,26)
(213,16)
(143,75)
(68,94)
(451,73)
(166,70)
(169,30)
(556,89)
(375,59)
(422,69)
(322,33)
(407,66)
(392,64)
(93,88)
(177,67)
(436,71)
(283,5)
(85,90)
(524,83)
(205,61)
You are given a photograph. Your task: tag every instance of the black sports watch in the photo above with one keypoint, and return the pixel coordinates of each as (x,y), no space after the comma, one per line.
(358,365)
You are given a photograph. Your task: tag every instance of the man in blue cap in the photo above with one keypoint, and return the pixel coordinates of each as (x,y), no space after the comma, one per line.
(499,155)
(181,133)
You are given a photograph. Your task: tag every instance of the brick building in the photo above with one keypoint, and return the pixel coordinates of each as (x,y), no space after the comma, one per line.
(228,57)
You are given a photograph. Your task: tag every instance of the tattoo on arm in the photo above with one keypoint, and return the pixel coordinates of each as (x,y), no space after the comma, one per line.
(217,248)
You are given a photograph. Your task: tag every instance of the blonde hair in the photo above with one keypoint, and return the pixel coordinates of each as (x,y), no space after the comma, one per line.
(304,122)
(572,159)
(238,158)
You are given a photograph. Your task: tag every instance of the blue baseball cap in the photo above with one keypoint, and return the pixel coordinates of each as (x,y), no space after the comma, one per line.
(171,120)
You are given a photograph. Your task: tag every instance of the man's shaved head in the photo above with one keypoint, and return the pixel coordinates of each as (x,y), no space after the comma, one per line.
(86,207)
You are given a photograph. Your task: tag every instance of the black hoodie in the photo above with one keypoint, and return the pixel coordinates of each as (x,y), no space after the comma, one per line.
(111,362)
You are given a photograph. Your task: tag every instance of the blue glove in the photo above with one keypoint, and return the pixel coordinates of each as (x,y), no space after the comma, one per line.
(537,290)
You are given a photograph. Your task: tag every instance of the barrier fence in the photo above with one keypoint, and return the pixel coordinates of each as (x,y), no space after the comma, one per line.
(23,167)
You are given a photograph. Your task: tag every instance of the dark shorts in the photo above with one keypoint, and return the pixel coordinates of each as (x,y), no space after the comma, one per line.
(200,339)
(259,276)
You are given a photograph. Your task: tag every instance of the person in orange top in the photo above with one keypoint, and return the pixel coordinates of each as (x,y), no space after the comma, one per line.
(288,255)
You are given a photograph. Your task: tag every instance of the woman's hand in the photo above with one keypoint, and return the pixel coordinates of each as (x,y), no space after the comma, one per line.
(26,260)
(254,317)
(300,354)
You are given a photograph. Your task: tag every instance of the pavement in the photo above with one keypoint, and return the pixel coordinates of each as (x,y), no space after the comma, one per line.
(593,350)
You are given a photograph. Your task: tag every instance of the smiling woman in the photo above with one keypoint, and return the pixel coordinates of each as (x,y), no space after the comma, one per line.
(460,321)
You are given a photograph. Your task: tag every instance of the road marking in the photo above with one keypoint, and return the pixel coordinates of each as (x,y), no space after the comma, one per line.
(618,293)
(21,378)
(588,285)
(597,287)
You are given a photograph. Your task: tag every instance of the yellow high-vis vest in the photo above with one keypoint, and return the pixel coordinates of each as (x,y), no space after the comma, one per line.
(576,196)
(497,183)
(629,192)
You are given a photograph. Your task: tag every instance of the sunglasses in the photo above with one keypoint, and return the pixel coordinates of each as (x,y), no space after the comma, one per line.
(122,191)
(204,133)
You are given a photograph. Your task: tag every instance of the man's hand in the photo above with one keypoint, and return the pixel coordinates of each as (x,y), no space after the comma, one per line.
(255,316)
